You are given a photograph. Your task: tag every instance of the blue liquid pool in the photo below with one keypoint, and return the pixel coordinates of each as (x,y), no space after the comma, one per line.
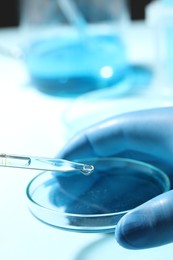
(72,66)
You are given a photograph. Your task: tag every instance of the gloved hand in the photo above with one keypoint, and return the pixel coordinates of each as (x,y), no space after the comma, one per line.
(147,136)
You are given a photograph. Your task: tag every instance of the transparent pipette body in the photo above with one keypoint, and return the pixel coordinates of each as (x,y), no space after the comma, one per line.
(46,164)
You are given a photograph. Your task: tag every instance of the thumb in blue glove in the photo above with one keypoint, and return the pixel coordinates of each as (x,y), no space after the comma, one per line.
(149,225)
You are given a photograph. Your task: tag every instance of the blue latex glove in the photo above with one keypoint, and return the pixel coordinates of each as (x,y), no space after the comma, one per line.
(144,135)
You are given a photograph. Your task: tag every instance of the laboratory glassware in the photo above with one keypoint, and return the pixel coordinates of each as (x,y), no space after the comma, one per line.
(94,203)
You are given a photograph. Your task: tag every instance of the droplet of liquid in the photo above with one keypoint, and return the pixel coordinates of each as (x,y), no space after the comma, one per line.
(87,169)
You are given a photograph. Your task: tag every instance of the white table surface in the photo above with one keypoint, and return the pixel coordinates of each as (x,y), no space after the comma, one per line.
(31,124)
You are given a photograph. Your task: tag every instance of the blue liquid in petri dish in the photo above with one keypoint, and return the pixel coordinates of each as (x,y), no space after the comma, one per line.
(97,202)
(73,66)
(104,192)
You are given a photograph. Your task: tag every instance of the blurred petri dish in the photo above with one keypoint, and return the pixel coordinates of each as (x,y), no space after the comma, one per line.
(129,94)
(69,66)
(97,202)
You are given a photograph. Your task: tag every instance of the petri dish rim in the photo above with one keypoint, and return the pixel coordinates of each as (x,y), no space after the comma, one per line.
(29,192)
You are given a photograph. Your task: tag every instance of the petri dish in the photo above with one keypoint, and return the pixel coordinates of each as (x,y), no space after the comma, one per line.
(94,203)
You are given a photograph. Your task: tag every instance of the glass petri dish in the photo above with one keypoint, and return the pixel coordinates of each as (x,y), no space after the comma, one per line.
(94,203)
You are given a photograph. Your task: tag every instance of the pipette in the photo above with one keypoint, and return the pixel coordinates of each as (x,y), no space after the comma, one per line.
(45,164)
(73,14)
(75,18)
